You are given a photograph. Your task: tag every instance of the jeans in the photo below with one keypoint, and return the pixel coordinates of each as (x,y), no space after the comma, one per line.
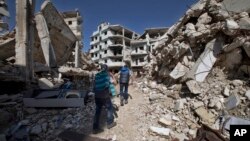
(124,91)
(100,102)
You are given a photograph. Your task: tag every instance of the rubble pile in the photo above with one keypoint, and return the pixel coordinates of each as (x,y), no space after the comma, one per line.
(200,71)
(47,124)
(207,35)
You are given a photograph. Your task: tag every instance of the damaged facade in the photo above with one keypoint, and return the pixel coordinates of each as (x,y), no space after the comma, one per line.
(110,44)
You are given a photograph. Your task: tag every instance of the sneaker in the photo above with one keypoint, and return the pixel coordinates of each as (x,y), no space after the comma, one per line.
(126,101)
(113,124)
(98,130)
(122,103)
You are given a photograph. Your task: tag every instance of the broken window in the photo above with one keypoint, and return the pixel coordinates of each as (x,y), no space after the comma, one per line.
(92,38)
(105,33)
(105,61)
(105,42)
(92,54)
(95,38)
(100,56)
(136,50)
(141,48)
(105,51)
(70,22)
(95,54)
(149,48)
(141,59)
(100,47)
(92,47)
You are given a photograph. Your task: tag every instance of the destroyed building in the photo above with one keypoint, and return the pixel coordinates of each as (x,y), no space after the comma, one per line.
(110,44)
(142,47)
(74,20)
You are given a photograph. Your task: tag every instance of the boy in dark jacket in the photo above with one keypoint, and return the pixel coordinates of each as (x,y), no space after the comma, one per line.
(102,98)
(125,74)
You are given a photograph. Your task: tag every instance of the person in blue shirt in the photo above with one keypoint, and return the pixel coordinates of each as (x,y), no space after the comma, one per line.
(125,74)
(103,98)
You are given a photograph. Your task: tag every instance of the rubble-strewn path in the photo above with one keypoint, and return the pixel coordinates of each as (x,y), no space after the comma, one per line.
(129,122)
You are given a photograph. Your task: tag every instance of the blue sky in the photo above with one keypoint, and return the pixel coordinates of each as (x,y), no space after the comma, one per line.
(133,14)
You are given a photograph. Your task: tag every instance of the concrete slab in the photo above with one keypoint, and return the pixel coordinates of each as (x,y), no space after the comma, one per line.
(236,5)
(193,86)
(235,121)
(204,64)
(205,115)
(179,71)
(244,23)
(160,131)
(232,102)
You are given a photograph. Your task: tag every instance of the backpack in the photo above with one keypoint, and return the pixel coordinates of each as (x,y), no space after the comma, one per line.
(124,75)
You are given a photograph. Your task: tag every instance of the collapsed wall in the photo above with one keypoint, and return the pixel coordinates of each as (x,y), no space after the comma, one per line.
(201,69)
(207,35)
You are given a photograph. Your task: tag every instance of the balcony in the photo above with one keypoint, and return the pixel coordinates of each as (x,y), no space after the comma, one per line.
(139,52)
(115,64)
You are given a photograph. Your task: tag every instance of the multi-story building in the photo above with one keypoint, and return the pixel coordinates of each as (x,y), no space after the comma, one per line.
(74,20)
(110,45)
(142,47)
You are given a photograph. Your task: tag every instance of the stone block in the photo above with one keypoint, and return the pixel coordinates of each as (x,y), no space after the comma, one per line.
(179,71)
(232,102)
(160,131)
(247,94)
(205,115)
(206,60)
(244,23)
(194,87)
(164,121)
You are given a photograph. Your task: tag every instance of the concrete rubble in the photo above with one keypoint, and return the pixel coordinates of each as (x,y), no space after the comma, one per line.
(37,61)
(200,68)
(199,76)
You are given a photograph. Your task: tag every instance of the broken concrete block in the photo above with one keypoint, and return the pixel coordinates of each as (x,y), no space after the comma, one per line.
(36,130)
(204,19)
(175,118)
(247,94)
(237,82)
(205,115)
(164,121)
(246,47)
(236,6)
(179,71)
(190,29)
(231,27)
(45,84)
(160,131)
(206,60)
(232,102)
(237,42)
(226,91)
(197,104)
(196,9)
(179,104)
(180,136)
(244,69)
(193,86)
(235,121)
(232,59)
(244,23)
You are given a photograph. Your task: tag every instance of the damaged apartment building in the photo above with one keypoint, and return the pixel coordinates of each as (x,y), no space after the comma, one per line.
(110,44)
(114,45)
